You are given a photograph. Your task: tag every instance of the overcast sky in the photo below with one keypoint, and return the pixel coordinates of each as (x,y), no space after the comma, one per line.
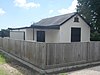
(22,13)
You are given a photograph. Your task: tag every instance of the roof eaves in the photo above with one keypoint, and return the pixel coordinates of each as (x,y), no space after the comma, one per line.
(45,27)
(19,28)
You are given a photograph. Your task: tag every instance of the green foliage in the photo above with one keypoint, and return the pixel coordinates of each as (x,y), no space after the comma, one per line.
(4,33)
(90,9)
(95,36)
(2,58)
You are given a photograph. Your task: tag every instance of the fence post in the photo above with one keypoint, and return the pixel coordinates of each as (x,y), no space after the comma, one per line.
(88,52)
(1,43)
(43,55)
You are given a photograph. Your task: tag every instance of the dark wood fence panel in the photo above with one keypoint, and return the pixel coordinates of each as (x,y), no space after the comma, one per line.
(5,44)
(66,53)
(18,48)
(11,47)
(94,51)
(1,43)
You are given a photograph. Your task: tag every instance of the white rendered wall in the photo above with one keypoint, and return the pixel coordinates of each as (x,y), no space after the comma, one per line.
(29,34)
(51,35)
(65,30)
(19,35)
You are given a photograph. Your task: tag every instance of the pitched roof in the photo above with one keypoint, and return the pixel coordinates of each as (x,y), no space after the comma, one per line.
(53,22)
(57,20)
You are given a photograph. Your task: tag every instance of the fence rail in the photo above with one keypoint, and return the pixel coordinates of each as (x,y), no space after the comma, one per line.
(52,55)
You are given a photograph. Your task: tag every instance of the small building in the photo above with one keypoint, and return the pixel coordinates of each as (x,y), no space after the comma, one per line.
(59,29)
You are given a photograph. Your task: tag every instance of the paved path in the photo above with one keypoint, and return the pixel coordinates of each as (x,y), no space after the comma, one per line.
(89,71)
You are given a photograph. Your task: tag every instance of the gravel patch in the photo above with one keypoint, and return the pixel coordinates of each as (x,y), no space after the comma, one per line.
(15,70)
(88,71)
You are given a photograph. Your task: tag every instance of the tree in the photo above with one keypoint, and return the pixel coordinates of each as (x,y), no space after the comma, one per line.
(90,11)
(4,33)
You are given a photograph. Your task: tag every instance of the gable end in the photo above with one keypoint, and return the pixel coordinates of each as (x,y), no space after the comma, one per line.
(73,16)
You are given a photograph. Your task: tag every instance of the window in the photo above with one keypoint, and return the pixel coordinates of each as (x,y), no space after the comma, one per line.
(76,19)
(40,36)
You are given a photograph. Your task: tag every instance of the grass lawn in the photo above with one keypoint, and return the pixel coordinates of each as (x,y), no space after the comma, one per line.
(2,61)
(2,58)
(10,67)
(2,72)
(5,69)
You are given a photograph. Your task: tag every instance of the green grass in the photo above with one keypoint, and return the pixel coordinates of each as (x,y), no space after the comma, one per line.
(2,61)
(2,58)
(2,72)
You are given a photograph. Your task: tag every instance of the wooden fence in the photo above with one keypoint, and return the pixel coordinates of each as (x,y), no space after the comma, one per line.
(52,55)
(68,54)
(31,52)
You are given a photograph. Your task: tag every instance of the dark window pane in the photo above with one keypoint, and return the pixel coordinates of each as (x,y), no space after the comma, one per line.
(40,36)
(76,19)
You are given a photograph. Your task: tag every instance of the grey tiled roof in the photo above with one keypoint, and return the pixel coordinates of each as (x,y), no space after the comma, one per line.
(53,22)
(57,20)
